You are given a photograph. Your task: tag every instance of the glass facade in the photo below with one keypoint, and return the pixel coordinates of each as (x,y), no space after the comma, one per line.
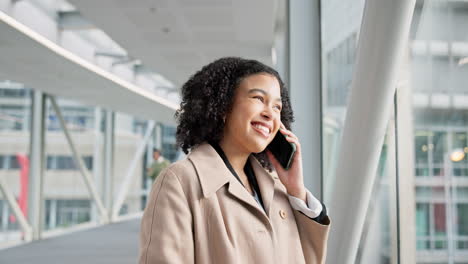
(65,189)
(67,201)
(439,76)
(15,117)
(438,81)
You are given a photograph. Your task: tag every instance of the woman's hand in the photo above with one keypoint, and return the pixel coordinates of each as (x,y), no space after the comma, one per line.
(293,178)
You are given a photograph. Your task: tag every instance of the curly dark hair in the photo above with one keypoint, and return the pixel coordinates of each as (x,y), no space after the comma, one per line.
(208,96)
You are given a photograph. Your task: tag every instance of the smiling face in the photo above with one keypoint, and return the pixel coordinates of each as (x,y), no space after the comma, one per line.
(255,115)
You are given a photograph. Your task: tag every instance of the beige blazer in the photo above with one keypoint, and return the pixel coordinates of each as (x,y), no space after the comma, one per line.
(198,212)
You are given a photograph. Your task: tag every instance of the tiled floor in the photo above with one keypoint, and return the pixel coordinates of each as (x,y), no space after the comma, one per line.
(115,243)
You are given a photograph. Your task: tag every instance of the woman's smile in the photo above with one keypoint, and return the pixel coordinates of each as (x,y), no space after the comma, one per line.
(262,129)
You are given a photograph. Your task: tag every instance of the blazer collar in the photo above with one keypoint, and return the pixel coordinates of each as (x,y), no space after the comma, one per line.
(210,167)
(213,174)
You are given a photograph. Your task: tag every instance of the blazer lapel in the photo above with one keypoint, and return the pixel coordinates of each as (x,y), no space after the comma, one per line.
(266,182)
(213,174)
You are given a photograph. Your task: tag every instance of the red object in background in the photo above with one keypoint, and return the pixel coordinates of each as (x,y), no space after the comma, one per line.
(439,218)
(23,161)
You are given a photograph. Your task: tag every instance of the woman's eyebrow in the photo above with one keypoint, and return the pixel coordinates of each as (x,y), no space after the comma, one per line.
(263,92)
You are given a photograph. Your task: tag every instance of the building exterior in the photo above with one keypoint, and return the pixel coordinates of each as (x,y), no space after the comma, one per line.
(67,201)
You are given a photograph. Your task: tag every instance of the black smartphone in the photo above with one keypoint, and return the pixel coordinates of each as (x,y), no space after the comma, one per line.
(282,150)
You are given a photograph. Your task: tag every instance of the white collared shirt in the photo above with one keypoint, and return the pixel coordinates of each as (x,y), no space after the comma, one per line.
(312,209)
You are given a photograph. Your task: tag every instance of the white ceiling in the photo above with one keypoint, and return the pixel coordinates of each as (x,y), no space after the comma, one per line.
(29,61)
(177,37)
(174,38)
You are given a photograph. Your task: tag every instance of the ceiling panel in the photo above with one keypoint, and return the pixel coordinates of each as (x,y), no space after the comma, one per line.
(154,31)
(40,67)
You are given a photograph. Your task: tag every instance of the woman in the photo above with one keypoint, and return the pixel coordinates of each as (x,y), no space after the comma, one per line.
(225,203)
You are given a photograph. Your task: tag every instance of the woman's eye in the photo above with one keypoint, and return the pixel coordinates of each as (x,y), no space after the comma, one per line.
(278,107)
(259,98)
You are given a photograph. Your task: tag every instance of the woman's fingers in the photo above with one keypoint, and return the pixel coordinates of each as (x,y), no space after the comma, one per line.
(274,161)
(288,133)
(290,137)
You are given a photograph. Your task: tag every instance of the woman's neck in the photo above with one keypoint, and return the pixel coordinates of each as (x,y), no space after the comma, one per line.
(236,156)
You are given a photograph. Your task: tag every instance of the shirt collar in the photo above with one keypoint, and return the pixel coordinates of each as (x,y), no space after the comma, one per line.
(212,171)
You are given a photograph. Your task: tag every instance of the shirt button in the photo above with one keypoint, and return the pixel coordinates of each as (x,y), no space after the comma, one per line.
(282,214)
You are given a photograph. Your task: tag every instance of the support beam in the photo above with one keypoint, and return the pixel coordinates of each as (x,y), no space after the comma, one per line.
(125,185)
(10,198)
(383,38)
(90,183)
(108,177)
(65,59)
(73,20)
(405,159)
(36,172)
(113,55)
(305,83)
(97,159)
(158,136)
(393,201)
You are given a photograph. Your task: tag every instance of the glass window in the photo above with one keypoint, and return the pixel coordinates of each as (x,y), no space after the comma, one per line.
(431,226)
(88,161)
(427,193)
(61,162)
(12,162)
(439,149)
(422,226)
(71,212)
(65,163)
(440,226)
(51,164)
(462,226)
(459,154)
(461,193)
(169,147)
(421,147)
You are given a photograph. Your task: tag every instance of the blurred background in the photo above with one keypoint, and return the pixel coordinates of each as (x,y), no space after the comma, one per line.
(89,88)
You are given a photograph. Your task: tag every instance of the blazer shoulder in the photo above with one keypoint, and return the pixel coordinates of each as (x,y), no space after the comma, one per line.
(182,168)
(186,174)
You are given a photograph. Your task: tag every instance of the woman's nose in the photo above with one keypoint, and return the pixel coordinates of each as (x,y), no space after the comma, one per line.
(267,113)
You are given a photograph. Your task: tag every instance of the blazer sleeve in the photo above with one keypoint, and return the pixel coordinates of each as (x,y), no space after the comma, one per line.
(314,237)
(166,228)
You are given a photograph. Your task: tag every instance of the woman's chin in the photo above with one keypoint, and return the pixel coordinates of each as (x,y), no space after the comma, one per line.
(258,147)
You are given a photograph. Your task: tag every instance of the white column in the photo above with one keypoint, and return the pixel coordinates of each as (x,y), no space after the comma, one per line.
(383,38)
(36,170)
(108,175)
(53,214)
(97,160)
(158,136)
(405,145)
(4,216)
(305,86)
